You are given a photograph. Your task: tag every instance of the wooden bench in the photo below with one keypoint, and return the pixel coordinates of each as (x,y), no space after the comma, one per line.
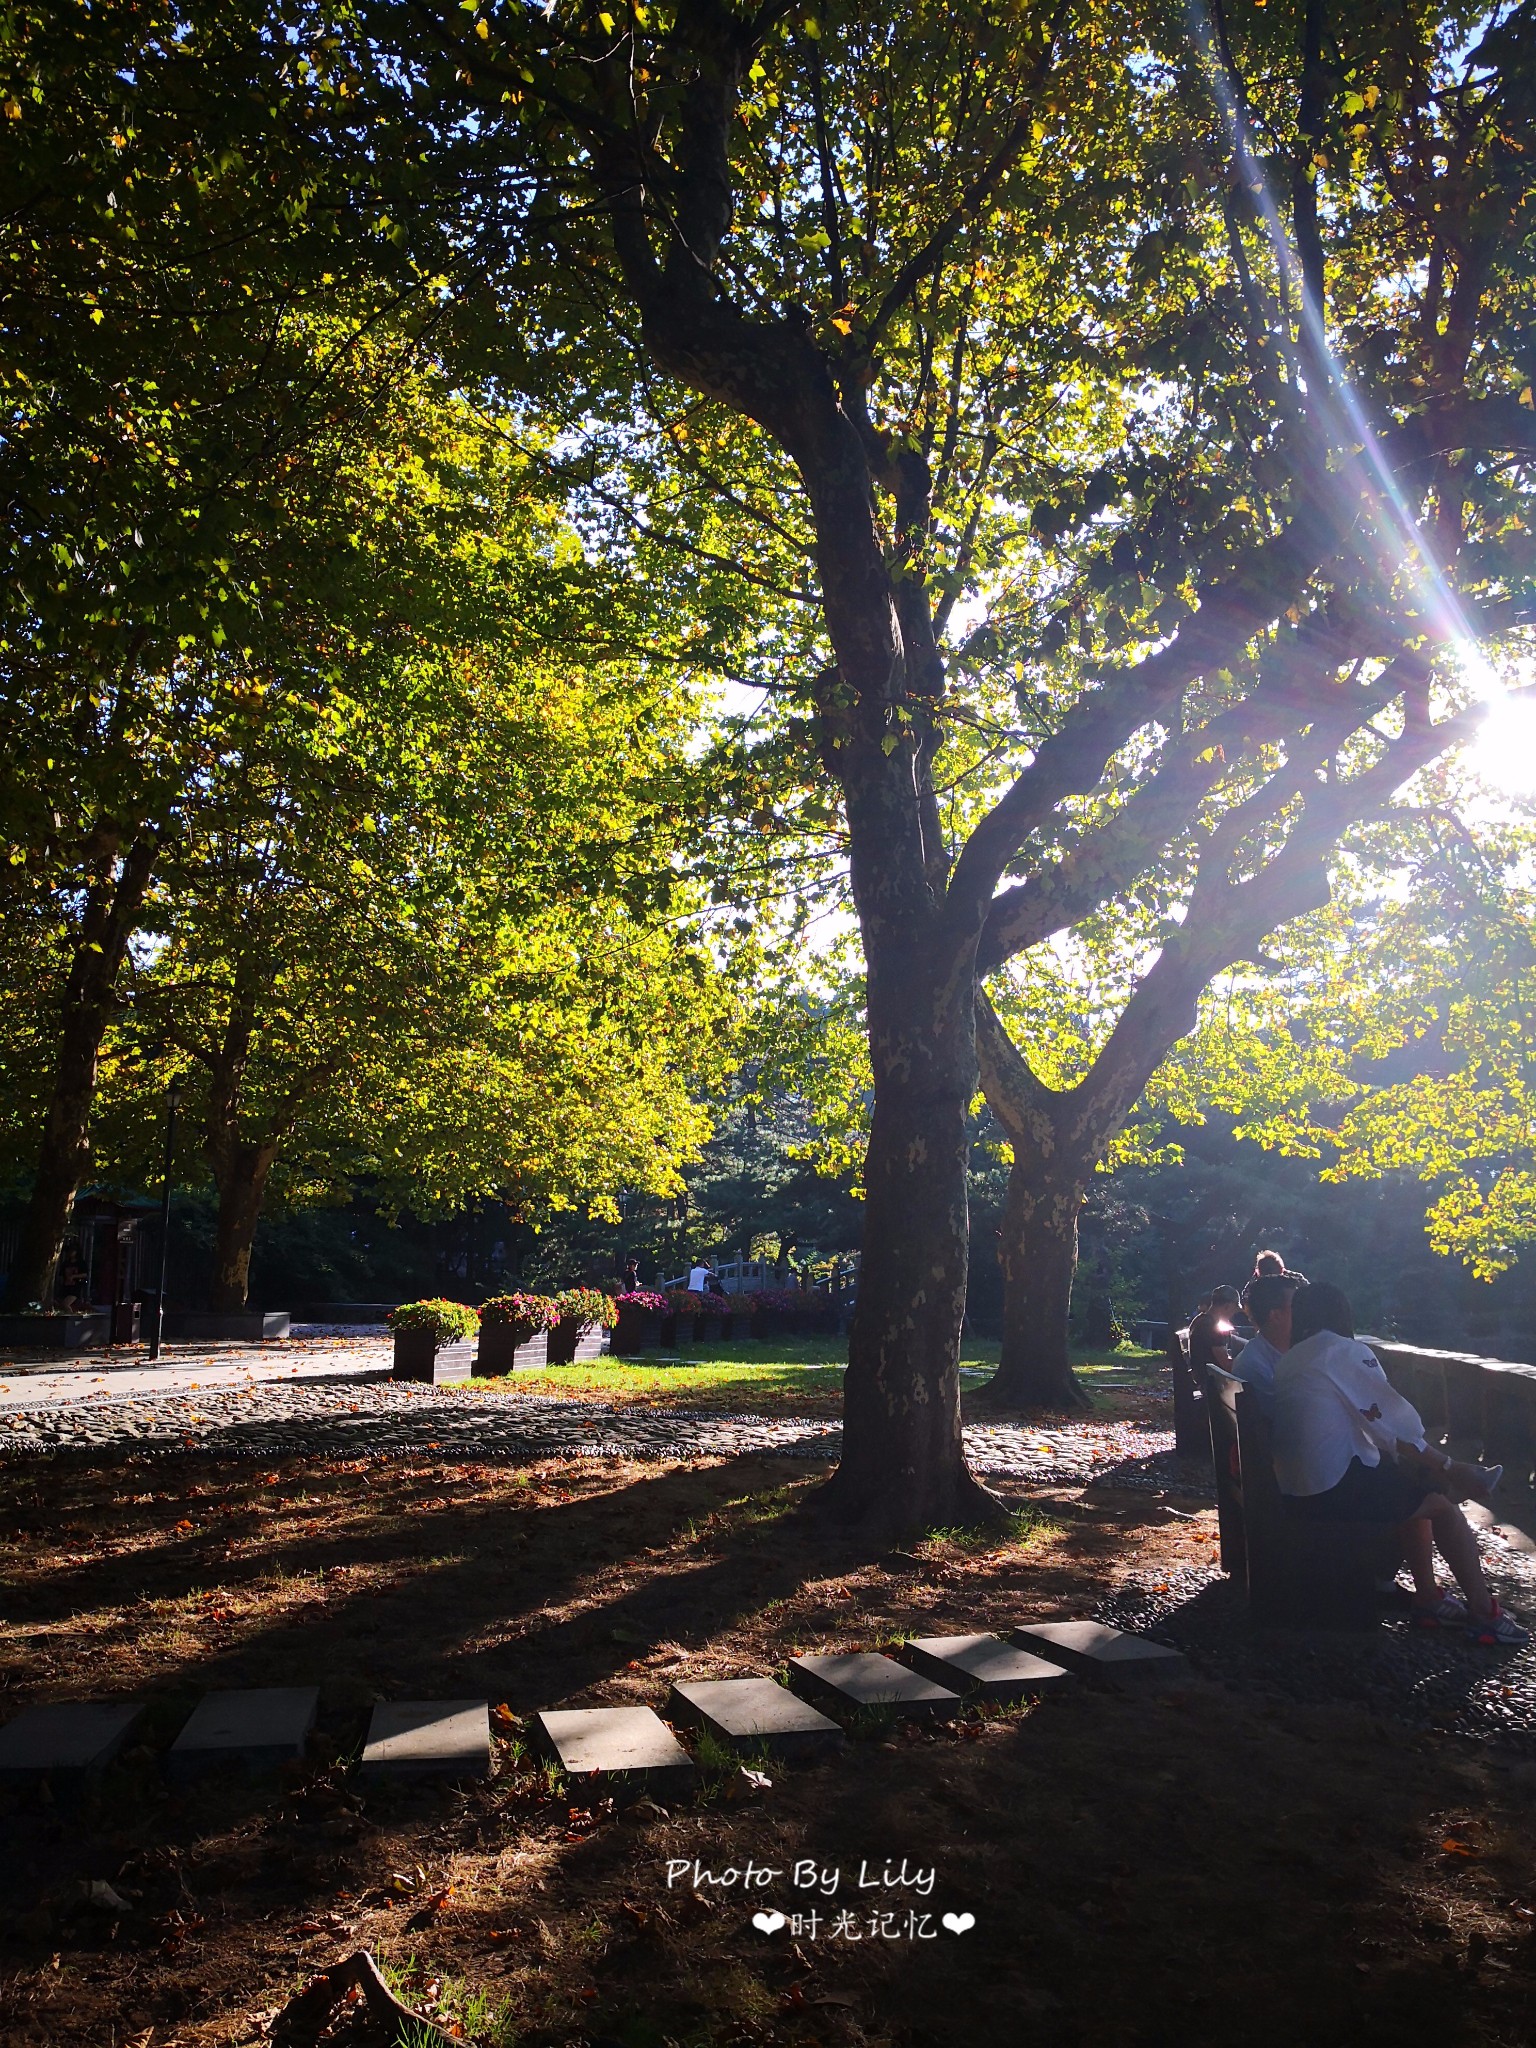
(1298,1574)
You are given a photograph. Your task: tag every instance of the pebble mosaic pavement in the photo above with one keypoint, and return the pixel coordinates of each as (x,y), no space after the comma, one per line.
(327,1393)
(331,1396)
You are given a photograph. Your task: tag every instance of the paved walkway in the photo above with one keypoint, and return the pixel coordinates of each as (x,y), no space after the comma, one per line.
(187,1368)
(330,1396)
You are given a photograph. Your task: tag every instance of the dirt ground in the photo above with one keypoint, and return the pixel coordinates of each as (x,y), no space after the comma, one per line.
(1197,1867)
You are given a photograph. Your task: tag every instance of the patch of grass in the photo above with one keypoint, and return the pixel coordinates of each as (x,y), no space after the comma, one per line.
(726,1385)
(714,1757)
(1023,1526)
(787,1376)
(873,1722)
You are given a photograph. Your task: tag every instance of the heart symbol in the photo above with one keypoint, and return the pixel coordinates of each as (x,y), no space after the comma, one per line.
(767,1923)
(959,1923)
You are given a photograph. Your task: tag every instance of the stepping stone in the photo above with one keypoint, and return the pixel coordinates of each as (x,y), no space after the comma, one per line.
(751,1715)
(429,1739)
(633,1743)
(1108,1655)
(68,1737)
(983,1667)
(261,1729)
(861,1679)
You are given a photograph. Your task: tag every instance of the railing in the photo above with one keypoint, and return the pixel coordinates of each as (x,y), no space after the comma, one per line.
(736,1276)
(750,1276)
(1483,1408)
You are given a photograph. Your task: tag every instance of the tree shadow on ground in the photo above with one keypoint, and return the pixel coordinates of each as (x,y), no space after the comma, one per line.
(1210,1866)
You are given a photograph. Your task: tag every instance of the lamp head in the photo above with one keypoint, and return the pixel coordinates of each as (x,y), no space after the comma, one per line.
(173,1094)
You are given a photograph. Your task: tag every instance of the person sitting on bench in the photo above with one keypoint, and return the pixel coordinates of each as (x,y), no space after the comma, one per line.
(1211,1336)
(1268,1302)
(1336,1416)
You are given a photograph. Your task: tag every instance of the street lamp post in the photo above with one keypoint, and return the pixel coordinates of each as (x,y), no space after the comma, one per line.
(172,1098)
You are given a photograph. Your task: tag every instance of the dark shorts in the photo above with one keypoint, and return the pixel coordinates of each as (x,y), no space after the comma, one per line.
(1382,1493)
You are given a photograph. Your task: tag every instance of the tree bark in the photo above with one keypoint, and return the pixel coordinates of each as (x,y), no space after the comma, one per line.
(241,1174)
(112,905)
(1039,1258)
(1037,1246)
(239,1165)
(903,1465)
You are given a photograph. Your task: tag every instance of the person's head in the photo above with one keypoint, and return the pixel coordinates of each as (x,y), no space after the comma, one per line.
(1319,1305)
(1268,1301)
(1224,1299)
(1268,1262)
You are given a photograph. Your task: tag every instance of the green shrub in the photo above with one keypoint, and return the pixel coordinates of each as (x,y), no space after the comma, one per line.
(447,1320)
(587,1305)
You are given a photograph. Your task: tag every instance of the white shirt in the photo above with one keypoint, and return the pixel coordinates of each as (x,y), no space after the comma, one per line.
(1255,1364)
(1333,1404)
(697,1276)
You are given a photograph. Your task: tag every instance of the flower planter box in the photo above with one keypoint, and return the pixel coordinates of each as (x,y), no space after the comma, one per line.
(90,1332)
(573,1343)
(500,1351)
(709,1329)
(419,1356)
(643,1330)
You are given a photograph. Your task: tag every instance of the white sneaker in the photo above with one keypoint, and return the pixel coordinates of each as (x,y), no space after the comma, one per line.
(1449,1611)
(1498,1631)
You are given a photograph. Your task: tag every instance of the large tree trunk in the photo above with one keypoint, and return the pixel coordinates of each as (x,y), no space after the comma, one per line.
(1038,1242)
(1039,1257)
(111,910)
(239,1165)
(242,1182)
(903,1465)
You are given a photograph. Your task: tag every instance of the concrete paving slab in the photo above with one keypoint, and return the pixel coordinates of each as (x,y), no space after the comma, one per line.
(260,1728)
(855,1679)
(1107,1655)
(72,1735)
(429,1739)
(632,1744)
(751,1716)
(984,1667)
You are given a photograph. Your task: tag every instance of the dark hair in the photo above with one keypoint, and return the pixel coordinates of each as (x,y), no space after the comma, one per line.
(1319,1305)
(1266,1263)
(1270,1291)
(1224,1293)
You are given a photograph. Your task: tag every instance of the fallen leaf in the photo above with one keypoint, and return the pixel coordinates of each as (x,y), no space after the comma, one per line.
(100,1894)
(1451,1847)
